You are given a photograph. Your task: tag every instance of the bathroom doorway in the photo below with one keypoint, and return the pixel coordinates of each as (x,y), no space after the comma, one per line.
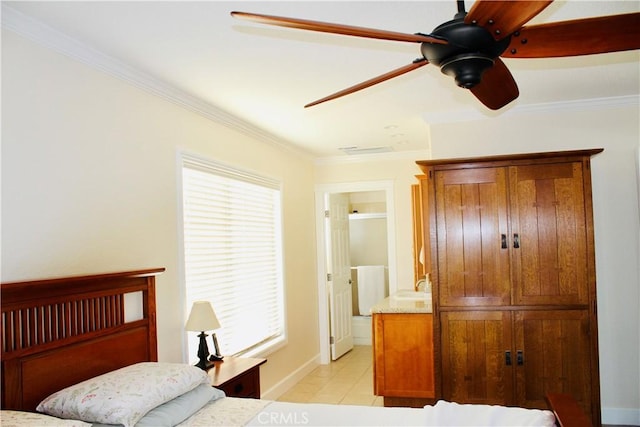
(372,203)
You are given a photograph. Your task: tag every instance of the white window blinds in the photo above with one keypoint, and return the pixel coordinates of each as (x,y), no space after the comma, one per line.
(233,256)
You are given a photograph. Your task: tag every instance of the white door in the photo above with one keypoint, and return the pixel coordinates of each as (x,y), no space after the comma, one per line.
(339,278)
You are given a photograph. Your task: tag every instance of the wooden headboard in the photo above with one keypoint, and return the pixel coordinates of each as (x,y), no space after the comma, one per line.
(58,332)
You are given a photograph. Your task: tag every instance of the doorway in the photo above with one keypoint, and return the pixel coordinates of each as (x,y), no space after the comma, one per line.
(322,194)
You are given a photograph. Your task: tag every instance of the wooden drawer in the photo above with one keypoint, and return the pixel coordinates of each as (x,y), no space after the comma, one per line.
(246,385)
(237,376)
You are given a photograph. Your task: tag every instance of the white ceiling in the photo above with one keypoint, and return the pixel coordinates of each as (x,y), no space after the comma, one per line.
(258,77)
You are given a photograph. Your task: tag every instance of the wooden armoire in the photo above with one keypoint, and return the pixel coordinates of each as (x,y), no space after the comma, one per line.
(513,272)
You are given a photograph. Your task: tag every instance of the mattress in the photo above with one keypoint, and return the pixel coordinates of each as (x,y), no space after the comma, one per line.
(231,411)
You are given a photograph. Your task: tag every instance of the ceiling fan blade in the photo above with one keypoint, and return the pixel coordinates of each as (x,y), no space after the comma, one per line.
(501,18)
(578,37)
(326,27)
(497,87)
(391,74)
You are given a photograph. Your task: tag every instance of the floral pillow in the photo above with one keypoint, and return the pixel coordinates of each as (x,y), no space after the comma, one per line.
(125,395)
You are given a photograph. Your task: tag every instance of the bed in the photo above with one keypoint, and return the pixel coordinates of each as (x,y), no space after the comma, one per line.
(82,351)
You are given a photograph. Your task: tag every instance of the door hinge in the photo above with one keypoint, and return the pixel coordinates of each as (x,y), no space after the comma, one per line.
(326,214)
(329,277)
(332,340)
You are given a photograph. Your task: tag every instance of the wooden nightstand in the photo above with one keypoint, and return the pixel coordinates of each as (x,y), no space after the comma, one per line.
(237,376)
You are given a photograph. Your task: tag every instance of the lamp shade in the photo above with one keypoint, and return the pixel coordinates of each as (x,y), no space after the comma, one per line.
(202,317)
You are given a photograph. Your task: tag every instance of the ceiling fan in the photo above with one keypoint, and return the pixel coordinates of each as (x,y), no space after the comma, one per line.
(470,46)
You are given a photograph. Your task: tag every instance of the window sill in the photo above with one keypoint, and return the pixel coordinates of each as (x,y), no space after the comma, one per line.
(266,348)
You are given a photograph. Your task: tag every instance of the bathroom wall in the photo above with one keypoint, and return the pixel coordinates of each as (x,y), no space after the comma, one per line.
(367,235)
(368,202)
(368,240)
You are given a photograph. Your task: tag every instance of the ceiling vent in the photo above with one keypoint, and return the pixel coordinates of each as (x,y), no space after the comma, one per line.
(351,151)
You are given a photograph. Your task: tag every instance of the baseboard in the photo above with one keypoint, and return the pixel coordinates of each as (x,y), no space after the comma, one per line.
(290,380)
(621,416)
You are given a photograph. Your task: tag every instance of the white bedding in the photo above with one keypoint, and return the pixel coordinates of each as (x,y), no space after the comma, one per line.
(454,414)
(228,411)
(231,411)
(165,394)
(320,414)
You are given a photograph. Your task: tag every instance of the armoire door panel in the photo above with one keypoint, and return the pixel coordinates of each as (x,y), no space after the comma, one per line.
(554,345)
(471,212)
(548,215)
(473,357)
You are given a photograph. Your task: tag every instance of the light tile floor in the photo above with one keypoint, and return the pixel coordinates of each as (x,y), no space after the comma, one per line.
(347,381)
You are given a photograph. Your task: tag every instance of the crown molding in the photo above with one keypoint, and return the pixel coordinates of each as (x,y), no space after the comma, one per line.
(57,41)
(469,114)
(367,158)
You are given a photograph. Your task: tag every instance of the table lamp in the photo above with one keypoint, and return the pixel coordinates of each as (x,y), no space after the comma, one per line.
(202,318)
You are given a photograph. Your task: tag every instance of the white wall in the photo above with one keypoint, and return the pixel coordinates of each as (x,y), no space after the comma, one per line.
(616,222)
(368,241)
(89,185)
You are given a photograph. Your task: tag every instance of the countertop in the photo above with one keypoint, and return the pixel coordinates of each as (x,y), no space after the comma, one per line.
(401,302)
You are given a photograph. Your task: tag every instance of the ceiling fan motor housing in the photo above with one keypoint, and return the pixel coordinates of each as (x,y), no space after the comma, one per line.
(470,52)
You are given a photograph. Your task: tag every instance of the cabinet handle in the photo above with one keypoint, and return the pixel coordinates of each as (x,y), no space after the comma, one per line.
(507,358)
(519,358)
(516,241)
(503,241)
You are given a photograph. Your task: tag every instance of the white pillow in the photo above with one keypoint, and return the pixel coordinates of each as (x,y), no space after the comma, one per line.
(20,419)
(125,395)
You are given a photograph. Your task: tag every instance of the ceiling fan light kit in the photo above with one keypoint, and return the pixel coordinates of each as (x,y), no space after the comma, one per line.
(466,69)
(469,47)
(470,51)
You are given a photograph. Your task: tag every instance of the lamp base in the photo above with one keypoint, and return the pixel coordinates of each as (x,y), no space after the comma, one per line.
(204,366)
(203,352)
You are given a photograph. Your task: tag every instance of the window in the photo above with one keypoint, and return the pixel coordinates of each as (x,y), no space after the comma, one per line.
(233,254)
